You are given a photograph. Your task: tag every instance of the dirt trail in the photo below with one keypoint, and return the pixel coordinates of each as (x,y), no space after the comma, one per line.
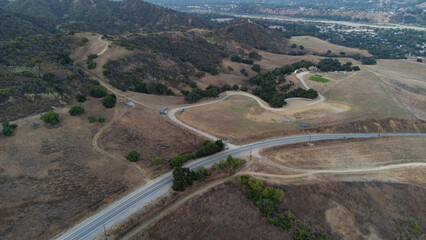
(118,114)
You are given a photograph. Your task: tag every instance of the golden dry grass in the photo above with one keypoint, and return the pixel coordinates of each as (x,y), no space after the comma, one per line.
(351,154)
(314,44)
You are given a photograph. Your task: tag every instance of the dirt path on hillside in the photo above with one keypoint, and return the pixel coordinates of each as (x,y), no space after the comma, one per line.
(118,114)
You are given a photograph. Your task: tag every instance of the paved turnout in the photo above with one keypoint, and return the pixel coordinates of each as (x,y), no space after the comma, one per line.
(123,208)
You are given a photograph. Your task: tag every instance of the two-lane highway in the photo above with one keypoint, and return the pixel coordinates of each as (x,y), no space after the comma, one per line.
(134,202)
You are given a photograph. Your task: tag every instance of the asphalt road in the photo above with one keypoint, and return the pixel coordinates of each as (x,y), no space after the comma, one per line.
(123,208)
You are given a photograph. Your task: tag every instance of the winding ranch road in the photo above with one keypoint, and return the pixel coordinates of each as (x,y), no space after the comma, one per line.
(122,209)
(135,201)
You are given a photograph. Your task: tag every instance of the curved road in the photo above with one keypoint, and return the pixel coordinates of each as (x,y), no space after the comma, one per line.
(122,209)
(135,201)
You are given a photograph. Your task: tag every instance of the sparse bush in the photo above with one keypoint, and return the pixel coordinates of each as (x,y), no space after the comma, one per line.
(235,87)
(101,119)
(91,119)
(109,101)
(50,117)
(91,64)
(244,72)
(8,128)
(76,110)
(82,41)
(230,68)
(244,88)
(97,92)
(80,97)
(158,160)
(133,156)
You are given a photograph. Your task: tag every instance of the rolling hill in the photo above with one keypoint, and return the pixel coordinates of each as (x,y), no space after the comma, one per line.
(105,16)
(254,35)
(13,25)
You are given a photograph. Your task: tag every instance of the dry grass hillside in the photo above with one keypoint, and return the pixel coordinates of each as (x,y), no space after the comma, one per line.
(50,178)
(346,210)
(151,135)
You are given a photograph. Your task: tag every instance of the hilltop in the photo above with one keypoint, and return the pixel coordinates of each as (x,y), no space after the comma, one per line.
(253,35)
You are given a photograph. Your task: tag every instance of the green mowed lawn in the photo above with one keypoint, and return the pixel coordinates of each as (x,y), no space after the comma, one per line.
(318,79)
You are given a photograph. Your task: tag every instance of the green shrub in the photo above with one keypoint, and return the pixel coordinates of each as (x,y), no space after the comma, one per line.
(178,160)
(158,160)
(91,118)
(82,41)
(91,64)
(101,119)
(133,156)
(80,97)
(97,92)
(8,128)
(76,110)
(109,101)
(244,72)
(50,117)
(256,68)
(92,56)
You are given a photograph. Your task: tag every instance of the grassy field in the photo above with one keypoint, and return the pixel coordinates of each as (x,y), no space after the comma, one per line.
(314,44)
(319,79)
(351,154)
(235,118)
(151,135)
(50,178)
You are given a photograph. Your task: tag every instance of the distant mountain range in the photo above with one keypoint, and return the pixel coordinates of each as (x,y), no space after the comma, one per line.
(112,17)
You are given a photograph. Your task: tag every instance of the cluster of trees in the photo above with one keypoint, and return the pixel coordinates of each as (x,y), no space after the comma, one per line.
(183,177)
(147,67)
(302,93)
(208,148)
(8,128)
(210,92)
(153,88)
(268,83)
(187,47)
(50,117)
(329,64)
(29,67)
(255,55)
(230,162)
(269,201)
(239,59)
(90,63)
